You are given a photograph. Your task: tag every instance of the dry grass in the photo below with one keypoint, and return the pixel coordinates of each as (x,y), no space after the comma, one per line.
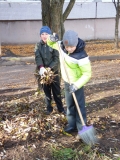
(93,48)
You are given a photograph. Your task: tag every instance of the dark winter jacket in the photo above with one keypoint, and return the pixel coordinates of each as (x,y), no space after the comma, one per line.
(46,56)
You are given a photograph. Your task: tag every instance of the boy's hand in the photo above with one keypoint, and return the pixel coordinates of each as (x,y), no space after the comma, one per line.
(54,37)
(72,88)
(42,71)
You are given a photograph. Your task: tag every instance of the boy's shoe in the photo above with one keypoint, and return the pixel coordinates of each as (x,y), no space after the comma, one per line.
(63,112)
(48,112)
(70,129)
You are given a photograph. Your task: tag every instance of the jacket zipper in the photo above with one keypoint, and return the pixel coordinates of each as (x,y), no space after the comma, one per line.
(45,51)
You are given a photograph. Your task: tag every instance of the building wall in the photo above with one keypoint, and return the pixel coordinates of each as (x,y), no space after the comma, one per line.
(20,31)
(32,10)
(90,29)
(21,22)
(28,31)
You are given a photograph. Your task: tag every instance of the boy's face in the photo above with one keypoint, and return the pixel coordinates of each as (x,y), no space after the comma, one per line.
(44,37)
(70,49)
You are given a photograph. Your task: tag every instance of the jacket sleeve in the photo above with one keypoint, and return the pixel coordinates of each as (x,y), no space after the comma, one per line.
(55,60)
(86,75)
(38,58)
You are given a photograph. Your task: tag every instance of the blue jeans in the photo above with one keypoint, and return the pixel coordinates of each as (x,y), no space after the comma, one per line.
(72,113)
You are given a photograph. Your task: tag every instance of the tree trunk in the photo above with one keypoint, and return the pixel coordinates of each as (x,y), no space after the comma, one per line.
(52,14)
(45,5)
(117,24)
(56,16)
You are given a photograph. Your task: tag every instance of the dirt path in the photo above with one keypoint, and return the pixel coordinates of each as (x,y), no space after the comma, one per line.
(17,78)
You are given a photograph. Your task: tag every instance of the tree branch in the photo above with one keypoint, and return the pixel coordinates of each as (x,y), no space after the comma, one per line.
(114,4)
(68,9)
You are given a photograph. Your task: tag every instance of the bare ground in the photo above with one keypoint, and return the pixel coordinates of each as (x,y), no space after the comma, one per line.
(26,133)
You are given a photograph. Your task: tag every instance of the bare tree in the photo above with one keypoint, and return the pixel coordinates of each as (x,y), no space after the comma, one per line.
(117,7)
(53,15)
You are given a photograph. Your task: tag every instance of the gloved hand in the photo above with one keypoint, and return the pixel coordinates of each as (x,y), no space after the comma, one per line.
(72,88)
(54,37)
(48,69)
(42,71)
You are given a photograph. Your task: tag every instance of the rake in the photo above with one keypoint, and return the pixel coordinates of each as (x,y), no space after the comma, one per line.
(88,133)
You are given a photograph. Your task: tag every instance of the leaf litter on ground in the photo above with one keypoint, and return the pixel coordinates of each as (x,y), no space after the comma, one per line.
(23,119)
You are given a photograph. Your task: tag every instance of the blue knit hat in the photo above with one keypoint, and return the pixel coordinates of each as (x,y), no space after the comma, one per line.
(45,29)
(70,38)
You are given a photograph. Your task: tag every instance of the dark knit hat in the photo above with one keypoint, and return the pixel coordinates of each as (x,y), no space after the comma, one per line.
(45,29)
(70,38)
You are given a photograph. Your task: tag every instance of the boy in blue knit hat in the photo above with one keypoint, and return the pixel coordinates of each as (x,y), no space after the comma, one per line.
(46,57)
(78,67)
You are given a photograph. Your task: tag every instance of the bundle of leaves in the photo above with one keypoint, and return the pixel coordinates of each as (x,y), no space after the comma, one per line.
(47,78)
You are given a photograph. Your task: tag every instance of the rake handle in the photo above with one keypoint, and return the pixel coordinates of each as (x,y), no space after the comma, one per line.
(73,94)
